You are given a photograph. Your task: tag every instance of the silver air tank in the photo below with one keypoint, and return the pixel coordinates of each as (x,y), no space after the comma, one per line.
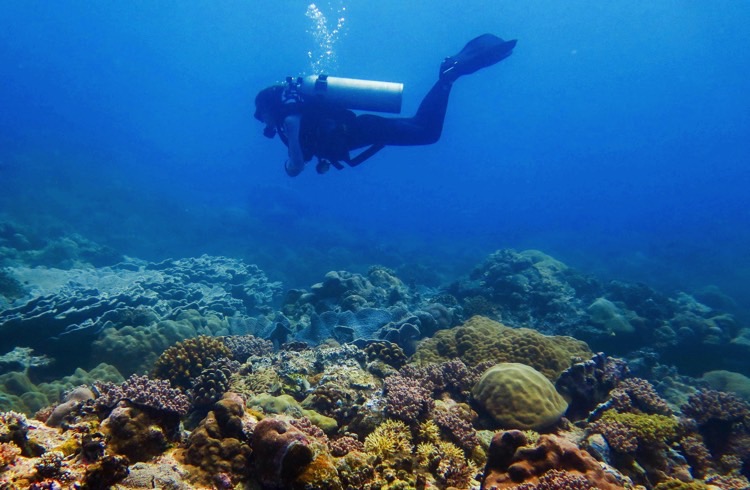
(363,95)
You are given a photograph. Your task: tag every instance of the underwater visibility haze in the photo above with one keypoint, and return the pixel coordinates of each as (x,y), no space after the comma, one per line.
(592,185)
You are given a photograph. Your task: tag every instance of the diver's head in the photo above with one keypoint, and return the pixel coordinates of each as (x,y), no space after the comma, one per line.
(268,105)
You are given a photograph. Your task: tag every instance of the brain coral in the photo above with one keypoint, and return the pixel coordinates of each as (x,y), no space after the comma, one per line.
(519,397)
(481,339)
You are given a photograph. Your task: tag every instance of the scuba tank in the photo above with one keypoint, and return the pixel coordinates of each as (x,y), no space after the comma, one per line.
(364,95)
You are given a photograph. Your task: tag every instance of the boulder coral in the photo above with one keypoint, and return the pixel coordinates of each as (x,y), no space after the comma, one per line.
(519,397)
(282,452)
(220,444)
(481,339)
(513,461)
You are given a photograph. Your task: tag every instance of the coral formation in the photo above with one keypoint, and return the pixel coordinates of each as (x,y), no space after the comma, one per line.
(281,452)
(510,462)
(518,397)
(185,360)
(219,445)
(481,340)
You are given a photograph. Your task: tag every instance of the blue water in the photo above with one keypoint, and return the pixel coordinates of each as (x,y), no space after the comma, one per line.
(615,138)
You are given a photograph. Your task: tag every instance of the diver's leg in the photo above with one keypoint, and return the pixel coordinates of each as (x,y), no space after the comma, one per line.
(422,129)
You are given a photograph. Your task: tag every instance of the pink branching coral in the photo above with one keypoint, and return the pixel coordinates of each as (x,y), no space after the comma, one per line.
(140,390)
(461,430)
(406,398)
(8,454)
(710,405)
(639,396)
(344,445)
(558,480)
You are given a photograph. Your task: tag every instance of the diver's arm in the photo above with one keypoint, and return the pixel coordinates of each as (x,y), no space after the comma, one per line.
(296,162)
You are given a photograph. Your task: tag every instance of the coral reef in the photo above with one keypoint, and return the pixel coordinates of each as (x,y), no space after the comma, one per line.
(365,382)
(77,305)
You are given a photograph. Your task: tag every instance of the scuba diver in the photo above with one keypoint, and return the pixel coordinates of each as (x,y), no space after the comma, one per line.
(313,116)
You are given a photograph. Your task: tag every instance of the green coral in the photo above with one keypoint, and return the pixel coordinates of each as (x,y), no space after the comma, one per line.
(135,348)
(483,340)
(185,360)
(389,439)
(648,428)
(518,396)
(673,484)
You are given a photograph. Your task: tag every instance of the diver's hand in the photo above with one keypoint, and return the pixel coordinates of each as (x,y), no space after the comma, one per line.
(293,170)
(296,162)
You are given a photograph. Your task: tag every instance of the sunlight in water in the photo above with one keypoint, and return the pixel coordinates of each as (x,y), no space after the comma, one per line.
(323,55)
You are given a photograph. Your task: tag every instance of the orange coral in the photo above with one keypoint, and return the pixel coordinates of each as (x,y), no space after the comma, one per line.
(511,461)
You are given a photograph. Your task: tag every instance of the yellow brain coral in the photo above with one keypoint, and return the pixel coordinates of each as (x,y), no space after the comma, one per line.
(519,397)
(481,339)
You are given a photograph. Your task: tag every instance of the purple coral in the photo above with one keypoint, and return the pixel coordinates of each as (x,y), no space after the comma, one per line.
(461,430)
(245,346)
(558,480)
(639,396)
(710,405)
(406,398)
(344,445)
(140,390)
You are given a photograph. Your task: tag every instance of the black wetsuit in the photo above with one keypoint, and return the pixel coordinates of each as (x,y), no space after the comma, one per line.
(330,132)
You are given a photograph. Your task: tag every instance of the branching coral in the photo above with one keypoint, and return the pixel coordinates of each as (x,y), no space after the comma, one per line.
(389,439)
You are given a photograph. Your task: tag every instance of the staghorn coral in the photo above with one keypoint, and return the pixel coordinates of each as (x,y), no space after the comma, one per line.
(457,427)
(697,455)
(716,406)
(213,382)
(558,480)
(447,463)
(8,454)
(342,446)
(186,359)
(627,432)
(481,340)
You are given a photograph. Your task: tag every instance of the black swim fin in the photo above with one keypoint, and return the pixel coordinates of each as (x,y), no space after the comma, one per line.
(480,52)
